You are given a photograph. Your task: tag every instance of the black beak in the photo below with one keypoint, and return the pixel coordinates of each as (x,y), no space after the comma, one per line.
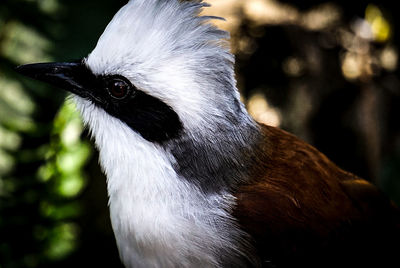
(74,77)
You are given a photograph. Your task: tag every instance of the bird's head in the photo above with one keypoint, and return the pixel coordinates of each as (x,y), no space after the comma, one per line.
(159,67)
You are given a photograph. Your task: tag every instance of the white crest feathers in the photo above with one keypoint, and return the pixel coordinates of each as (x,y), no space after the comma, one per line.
(170,52)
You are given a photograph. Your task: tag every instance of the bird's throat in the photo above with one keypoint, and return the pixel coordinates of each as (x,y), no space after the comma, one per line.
(153,209)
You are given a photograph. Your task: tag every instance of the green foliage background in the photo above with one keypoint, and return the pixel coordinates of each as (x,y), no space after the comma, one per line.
(44,151)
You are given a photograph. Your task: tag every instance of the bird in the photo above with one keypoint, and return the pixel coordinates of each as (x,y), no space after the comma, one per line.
(193,180)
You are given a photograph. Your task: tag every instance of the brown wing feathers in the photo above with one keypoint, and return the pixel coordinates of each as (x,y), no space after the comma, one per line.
(301,209)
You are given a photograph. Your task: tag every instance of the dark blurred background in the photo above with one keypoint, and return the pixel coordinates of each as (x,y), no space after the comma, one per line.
(326,71)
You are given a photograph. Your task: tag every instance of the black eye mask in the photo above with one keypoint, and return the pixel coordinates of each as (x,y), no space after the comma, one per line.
(153,119)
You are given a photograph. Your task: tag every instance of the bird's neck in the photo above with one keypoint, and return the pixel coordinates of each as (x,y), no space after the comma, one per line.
(159,213)
(217,158)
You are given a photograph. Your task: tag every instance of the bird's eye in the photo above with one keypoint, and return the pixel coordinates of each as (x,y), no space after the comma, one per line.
(119,89)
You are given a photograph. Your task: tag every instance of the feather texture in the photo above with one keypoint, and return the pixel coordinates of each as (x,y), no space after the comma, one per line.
(159,218)
(171,53)
(302,210)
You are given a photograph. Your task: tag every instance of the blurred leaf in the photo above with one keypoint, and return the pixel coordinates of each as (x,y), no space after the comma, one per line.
(380,26)
(62,241)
